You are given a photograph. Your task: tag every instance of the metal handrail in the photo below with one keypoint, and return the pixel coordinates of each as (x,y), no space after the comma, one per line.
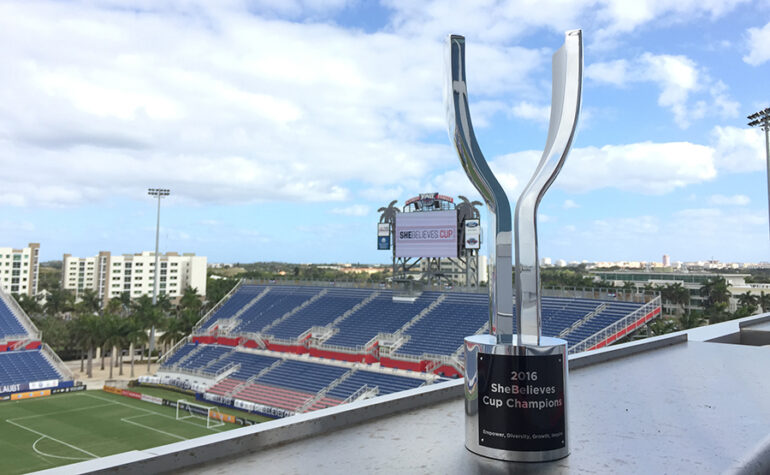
(616,327)
(216,307)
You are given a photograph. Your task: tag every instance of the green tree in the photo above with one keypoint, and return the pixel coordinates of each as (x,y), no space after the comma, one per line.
(749,302)
(716,292)
(87,331)
(764,301)
(58,302)
(29,304)
(691,319)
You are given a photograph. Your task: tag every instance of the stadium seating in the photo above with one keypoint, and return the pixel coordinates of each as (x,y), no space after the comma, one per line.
(278,302)
(434,325)
(442,330)
(9,324)
(320,313)
(25,366)
(382,315)
(385,383)
(238,300)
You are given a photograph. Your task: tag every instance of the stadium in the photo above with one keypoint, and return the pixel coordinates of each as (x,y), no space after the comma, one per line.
(275,351)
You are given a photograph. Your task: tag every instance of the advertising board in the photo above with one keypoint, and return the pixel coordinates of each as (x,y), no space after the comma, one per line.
(472,234)
(426,234)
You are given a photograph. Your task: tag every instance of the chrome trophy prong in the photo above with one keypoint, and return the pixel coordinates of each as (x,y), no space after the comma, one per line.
(476,167)
(565,108)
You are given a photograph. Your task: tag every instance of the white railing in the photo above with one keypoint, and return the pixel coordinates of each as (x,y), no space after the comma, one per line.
(616,327)
(322,393)
(295,310)
(374,390)
(245,384)
(173,349)
(216,307)
(581,321)
(21,316)
(57,362)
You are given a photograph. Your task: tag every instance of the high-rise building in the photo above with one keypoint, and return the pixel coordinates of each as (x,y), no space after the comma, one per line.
(19,269)
(109,276)
(666,260)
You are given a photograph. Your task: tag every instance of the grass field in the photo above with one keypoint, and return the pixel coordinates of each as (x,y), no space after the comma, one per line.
(36,434)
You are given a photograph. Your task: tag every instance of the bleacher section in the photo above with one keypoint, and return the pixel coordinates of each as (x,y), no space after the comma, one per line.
(277,302)
(289,384)
(382,315)
(236,302)
(253,356)
(320,313)
(24,366)
(10,326)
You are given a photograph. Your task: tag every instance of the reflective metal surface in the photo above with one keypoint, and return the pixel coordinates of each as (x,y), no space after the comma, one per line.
(565,108)
(476,167)
(487,344)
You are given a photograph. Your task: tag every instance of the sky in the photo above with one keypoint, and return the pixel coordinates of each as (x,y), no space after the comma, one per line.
(281,126)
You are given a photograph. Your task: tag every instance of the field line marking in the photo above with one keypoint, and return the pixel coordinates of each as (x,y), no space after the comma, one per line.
(44,454)
(153,412)
(55,440)
(126,419)
(58,412)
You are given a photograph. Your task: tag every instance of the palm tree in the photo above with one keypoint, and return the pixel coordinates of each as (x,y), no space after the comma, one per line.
(467,209)
(749,302)
(691,320)
(764,301)
(389,213)
(29,304)
(111,335)
(90,301)
(190,300)
(716,291)
(135,334)
(58,301)
(87,331)
(150,316)
(678,295)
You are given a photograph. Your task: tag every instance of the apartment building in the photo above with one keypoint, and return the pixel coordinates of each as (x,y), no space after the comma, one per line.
(111,275)
(19,269)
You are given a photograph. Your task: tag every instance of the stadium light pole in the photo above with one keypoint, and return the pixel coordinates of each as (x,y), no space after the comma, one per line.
(159,193)
(761,119)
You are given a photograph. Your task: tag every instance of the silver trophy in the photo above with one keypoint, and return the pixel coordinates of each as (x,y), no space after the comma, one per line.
(516,384)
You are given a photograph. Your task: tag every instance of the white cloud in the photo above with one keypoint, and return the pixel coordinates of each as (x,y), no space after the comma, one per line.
(569,204)
(527,110)
(758,44)
(611,72)
(739,149)
(502,20)
(650,168)
(678,78)
(734,200)
(352,210)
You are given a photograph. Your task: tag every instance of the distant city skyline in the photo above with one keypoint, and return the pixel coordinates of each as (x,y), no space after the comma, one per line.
(281,127)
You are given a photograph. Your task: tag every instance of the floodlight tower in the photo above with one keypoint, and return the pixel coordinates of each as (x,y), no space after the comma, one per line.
(761,119)
(160,193)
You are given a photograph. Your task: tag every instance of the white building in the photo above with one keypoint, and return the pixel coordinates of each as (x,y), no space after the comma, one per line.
(109,275)
(19,269)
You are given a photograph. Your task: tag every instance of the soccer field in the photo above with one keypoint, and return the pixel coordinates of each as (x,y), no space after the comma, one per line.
(36,434)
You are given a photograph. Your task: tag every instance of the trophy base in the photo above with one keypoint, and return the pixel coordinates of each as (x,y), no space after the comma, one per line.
(516,399)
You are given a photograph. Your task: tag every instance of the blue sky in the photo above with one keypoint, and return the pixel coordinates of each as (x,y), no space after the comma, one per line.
(281,126)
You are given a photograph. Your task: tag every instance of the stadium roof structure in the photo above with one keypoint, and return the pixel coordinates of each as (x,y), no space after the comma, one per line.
(695,400)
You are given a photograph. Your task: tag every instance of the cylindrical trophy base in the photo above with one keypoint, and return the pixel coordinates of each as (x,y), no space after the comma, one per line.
(516,399)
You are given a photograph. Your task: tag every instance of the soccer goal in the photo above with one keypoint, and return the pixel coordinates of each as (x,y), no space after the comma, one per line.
(187,410)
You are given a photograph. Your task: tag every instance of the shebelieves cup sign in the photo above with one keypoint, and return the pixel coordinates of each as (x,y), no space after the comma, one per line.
(432,234)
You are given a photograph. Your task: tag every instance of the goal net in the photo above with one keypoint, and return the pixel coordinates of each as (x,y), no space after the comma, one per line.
(190,410)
